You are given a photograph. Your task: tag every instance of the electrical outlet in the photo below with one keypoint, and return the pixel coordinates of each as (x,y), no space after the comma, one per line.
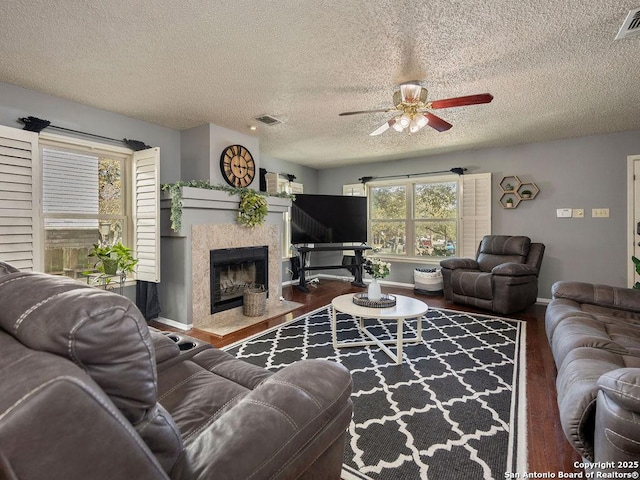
(600,212)
(578,213)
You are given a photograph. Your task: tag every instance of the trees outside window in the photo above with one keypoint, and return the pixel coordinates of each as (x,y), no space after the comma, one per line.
(436,219)
(415,219)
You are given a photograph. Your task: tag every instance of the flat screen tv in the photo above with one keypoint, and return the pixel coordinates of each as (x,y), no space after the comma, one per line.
(328,219)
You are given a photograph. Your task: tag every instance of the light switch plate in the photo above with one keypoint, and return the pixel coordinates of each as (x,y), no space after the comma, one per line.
(578,213)
(600,212)
(563,213)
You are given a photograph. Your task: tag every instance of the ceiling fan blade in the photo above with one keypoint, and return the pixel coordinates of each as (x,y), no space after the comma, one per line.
(381,110)
(437,123)
(461,101)
(383,128)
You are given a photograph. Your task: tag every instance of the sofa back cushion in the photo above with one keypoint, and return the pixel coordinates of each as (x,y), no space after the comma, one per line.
(104,334)
(497,249)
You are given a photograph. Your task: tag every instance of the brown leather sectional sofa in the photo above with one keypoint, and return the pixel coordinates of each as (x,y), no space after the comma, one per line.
(594,333)
(88,391)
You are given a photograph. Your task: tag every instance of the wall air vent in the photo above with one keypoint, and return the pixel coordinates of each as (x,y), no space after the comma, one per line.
(631,25)
(267,120)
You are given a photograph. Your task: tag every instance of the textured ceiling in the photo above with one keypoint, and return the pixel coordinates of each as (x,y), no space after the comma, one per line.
(553,67)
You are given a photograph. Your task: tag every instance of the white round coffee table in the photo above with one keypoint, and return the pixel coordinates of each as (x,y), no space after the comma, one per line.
(404,309)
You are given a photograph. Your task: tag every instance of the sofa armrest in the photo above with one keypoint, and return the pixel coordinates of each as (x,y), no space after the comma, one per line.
(48,404)
(601,295)
(456,263)
(616,433)
(291,417)
(511,269)
(623,386)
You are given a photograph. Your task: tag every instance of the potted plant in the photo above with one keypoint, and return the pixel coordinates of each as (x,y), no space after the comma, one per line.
(526,194)
(509,202)
(508,187)
(113,259)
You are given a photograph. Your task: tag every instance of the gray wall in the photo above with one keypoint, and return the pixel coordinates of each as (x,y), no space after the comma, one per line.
(17,102)
(587,172)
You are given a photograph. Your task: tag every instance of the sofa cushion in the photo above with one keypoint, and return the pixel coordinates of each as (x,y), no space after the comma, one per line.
(616,298)
(497,249)
(258,420)
(104,334)
(472,284)
(571,325)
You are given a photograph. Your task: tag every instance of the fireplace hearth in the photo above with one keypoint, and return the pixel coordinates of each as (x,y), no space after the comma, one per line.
(234,269)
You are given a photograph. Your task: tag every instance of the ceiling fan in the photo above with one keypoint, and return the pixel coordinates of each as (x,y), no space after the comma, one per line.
(413,109)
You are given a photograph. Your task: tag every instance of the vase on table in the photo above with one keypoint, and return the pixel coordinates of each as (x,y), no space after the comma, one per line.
(373,292)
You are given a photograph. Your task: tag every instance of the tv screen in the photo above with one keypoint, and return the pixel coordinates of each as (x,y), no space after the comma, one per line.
(328,219)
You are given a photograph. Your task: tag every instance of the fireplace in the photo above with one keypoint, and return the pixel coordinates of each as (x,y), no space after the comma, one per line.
(234,269)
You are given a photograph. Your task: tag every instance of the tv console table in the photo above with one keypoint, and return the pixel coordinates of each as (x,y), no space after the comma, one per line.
(303,253)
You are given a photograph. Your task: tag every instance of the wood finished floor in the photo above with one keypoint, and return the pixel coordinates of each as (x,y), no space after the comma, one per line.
(548,449)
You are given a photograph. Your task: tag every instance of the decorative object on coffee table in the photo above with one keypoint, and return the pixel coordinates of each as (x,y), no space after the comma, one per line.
(377,269)
(363,300)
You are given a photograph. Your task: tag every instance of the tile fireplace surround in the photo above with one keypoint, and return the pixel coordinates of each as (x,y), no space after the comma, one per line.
(208,223)
(210,237)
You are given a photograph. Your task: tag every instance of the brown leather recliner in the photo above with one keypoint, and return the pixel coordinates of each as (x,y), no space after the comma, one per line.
(503,278)
(88,391)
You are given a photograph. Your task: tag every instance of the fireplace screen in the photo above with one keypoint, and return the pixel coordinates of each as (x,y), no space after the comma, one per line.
(234,269)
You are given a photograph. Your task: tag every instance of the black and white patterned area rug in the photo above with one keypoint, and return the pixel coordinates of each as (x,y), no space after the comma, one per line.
(455,408)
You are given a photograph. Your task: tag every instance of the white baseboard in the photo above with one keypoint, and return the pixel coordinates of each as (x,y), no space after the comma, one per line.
(173,323)
(543,301)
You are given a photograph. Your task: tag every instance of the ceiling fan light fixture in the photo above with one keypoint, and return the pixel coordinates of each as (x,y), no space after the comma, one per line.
(405,120)
(416,123)
(397,126)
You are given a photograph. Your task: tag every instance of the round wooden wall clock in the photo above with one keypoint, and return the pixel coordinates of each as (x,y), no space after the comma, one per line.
(237,166)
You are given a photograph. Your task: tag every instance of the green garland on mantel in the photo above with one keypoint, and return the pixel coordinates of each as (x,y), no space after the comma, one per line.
(252,210)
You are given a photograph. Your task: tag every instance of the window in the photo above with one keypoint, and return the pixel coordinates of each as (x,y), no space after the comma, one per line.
(59,195)
(389,219)
(435,210)
(83,202)
(425,217)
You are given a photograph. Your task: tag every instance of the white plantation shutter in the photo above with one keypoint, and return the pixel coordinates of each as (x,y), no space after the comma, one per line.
(20,229)
(475,212)
(146,214)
